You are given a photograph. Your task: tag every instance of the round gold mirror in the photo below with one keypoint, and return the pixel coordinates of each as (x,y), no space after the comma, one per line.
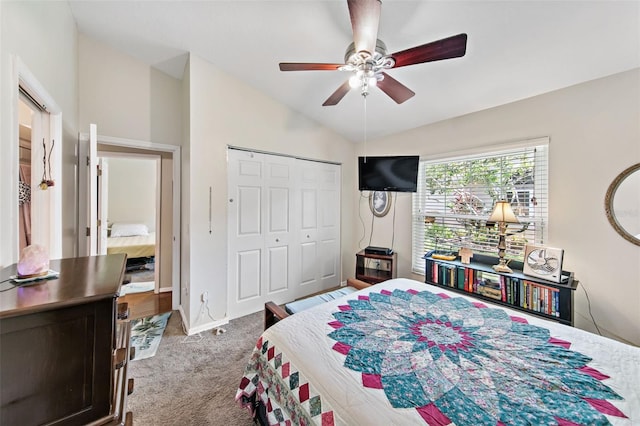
(622,204)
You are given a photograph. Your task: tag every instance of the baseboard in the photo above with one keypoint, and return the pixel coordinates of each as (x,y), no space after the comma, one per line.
(203,327)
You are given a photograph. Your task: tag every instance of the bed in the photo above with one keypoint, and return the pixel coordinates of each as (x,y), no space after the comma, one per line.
(133,239)
(134,246)
(403,352)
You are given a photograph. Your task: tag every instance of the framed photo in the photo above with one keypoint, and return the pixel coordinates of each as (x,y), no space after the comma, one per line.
(543,262)
(380,203)
(488,284)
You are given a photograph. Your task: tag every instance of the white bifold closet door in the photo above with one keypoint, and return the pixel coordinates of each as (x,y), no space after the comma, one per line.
(284,229)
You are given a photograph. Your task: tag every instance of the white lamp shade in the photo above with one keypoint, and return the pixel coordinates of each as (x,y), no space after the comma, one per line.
(502,212)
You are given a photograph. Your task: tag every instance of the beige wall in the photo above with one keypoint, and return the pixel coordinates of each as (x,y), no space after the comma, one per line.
(225,111)
(130,100)
(43,36)
(594,131)
(132,190)
(185,202)
(127,98)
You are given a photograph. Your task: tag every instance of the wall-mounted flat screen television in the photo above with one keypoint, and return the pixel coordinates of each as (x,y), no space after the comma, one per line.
(393,173)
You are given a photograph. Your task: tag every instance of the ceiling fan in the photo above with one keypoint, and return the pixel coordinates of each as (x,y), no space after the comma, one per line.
(368,60)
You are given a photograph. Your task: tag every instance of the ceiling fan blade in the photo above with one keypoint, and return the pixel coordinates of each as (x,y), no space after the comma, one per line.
(338,94)
(301,66)
(447,48)
(396,90)
(365,17)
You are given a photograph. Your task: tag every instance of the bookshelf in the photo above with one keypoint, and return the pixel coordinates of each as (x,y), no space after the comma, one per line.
(535,296)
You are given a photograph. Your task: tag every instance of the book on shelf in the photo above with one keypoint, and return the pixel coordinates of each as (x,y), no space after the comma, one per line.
(541,298)
(515,291)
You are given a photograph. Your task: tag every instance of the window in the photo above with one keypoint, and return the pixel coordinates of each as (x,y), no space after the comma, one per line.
(456,196)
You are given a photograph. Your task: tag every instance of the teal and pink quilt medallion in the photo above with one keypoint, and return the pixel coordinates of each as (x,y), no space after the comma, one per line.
(457,361)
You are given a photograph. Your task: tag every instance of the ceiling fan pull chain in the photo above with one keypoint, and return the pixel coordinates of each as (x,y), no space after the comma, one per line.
(365,126)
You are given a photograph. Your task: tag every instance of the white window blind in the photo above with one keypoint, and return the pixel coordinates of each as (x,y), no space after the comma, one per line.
(456,196)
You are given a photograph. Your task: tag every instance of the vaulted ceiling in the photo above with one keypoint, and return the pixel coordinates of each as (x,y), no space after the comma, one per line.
(515,50)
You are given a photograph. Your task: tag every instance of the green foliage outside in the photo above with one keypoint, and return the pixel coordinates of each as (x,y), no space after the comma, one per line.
(470,189)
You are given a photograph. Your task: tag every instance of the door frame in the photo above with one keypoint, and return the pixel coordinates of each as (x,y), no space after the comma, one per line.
(175,150)
(158,195)
(21,76)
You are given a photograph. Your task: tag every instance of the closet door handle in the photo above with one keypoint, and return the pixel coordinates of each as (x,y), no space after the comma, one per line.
(308,236)
(277,240)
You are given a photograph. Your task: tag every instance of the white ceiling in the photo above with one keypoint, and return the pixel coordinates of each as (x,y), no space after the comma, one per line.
(515,50)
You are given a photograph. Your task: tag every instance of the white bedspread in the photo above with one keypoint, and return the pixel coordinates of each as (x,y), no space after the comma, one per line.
(302,343)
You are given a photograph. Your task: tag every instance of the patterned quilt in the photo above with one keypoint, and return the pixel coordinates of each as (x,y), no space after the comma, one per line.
(419,356)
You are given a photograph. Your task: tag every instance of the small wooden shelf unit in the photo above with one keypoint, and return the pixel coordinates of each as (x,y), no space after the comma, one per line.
(535,296)
(375,268)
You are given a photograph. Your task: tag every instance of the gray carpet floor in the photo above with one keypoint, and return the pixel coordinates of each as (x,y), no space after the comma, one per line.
(192,380)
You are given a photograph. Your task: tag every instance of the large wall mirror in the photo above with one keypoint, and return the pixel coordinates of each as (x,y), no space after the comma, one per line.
(622,204)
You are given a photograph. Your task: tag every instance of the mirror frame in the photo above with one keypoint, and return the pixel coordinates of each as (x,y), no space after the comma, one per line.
(608,203)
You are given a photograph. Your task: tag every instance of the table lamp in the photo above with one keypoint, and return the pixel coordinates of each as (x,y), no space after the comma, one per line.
(502,214)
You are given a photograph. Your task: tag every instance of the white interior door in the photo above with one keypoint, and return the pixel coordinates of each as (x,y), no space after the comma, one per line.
(308,247)
(92,188)
(278,221)
(88,193)
(245,237)
(284,217)
(103,204)
(319,242)
(329,182)
(260,209)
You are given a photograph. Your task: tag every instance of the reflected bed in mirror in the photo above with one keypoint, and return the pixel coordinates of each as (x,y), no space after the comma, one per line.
(622,204)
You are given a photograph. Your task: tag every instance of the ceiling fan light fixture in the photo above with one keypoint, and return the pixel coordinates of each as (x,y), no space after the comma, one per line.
(367,58)
(363,79)
(354,81)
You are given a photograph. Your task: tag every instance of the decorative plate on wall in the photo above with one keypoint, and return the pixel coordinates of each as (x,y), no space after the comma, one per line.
(380,203)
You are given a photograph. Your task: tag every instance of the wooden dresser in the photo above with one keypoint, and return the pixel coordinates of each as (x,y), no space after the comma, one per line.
(64,346)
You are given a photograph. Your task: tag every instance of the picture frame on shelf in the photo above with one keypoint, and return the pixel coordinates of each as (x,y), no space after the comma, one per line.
(543,262)
(488,285)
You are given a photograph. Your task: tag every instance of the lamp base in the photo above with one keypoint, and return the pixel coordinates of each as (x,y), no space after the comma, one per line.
(501,267)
